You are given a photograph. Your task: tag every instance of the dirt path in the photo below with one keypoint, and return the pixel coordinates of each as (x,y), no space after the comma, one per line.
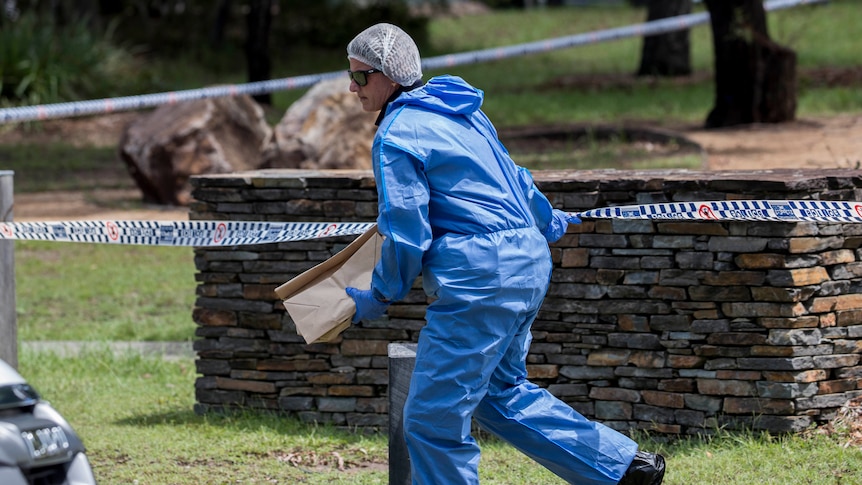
(808,143)
(72,206)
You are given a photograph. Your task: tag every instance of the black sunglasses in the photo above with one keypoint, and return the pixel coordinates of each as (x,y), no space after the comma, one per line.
(361,77)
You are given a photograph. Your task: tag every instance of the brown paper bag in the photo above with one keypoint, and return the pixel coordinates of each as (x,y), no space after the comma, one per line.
(316,300)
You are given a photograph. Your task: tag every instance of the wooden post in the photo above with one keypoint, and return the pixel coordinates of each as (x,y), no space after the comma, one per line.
(402,359)
(8,324)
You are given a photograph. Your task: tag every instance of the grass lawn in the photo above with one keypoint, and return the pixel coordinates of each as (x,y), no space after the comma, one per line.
(103,292)
(136,417)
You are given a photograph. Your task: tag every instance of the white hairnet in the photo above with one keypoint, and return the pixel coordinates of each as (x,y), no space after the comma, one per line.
(389,49)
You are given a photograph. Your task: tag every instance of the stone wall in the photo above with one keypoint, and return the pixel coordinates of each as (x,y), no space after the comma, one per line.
(671,326)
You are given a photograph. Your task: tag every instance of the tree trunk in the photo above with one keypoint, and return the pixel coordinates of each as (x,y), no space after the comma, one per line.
(666,54)
(257,45)
(220,23)
(755,78)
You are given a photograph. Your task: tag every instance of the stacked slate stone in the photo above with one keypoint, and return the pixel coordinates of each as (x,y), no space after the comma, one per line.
(687,326)
(671,326)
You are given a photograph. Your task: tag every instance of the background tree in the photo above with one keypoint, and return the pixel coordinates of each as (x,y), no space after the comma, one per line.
(257,57)
(755,78)
(666,54)
(222,16)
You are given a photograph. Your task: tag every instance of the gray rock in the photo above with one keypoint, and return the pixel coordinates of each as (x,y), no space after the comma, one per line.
(325,129)
(164,148)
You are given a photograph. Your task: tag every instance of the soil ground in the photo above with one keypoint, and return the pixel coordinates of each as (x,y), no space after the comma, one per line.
(807,143)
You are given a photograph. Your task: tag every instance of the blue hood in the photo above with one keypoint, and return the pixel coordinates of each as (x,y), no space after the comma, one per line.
(444,94)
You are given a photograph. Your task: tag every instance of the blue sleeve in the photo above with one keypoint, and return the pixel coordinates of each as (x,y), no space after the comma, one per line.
(403,195)
(539,205)
(551,222)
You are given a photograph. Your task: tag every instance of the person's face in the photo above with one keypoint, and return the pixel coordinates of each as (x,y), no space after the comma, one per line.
(376,91)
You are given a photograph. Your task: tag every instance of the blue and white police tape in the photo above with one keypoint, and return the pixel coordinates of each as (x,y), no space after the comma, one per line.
(240,233)
(653,27)
(738,210)
(179,233)
(127,103)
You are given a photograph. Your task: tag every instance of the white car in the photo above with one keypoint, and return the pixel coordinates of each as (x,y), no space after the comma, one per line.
(37,446)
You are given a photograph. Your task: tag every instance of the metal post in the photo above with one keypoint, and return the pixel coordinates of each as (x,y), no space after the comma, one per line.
(8,323)
(402,359)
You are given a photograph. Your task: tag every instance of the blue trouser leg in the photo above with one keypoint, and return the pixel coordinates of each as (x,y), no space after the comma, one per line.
(449,379)
(483,372)
(471,361)
(548,430)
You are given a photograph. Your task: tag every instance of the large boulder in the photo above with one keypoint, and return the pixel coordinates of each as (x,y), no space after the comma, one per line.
(325,129)
(164,148)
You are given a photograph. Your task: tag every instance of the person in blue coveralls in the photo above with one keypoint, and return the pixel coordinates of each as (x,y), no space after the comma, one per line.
(454,207)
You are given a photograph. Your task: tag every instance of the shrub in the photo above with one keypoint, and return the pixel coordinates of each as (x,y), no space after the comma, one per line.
(41,62)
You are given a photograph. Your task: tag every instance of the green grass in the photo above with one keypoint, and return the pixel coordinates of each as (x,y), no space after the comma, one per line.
(102,292)
(135,415)
(588,147)
(540,88)
(143,430)
(47,167)
(603,158)
(748,458)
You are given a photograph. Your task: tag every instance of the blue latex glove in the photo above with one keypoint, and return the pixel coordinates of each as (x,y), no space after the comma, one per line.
(559,223)
(367,307)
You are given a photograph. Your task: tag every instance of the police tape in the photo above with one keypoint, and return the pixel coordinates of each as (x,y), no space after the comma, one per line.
(179,233)
(240,233)
(652,27)
(739,210)
(136,102)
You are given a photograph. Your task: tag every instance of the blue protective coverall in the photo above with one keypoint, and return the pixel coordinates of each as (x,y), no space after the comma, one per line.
(455,207)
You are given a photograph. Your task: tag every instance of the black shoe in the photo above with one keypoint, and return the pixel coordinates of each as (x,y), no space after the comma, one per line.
(646,469)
